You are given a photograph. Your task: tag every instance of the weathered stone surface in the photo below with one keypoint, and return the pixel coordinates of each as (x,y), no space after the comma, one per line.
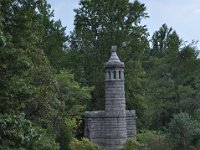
(110,128)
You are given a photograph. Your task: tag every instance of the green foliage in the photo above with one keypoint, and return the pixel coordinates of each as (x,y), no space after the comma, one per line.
(2,38)
(163,40)
(171,89)
(98,25)
(28,82)
(160,82)
(73,97)
(147,140)
(15,89)
(132,144)
(184,133)
(44,104)
(84,144)
(54,43)
(153,140)
(64,136)
(16,132)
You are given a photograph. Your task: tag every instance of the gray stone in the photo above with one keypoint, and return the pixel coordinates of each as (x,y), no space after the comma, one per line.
(110,128)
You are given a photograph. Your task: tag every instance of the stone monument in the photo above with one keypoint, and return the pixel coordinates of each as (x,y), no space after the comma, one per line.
(110,128)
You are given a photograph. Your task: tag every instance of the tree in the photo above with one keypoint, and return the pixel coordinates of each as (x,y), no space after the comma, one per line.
(173,80)
(28,83)
(184,132)
(165,40)
(74,99)
(16,132)
(64,136)
(54,41)
(84,144)
(32,82)
(98,26)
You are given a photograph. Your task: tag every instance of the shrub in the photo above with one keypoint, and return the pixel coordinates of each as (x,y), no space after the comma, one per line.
(16,132)
(64,136)
(132,144)
(84,144)
(184,133)
(154,140)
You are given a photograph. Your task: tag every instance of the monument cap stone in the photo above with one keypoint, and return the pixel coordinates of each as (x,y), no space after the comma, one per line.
(114,58)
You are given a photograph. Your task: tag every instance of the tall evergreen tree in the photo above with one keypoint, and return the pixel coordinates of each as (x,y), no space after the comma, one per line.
(27,79)
(29,40)
(173,77)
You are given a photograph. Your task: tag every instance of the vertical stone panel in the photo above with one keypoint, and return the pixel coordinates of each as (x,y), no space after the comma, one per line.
(131,123)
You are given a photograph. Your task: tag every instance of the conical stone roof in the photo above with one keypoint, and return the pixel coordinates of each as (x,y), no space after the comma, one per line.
(114,58)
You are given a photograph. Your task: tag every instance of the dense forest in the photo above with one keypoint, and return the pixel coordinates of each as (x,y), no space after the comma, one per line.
(48,79)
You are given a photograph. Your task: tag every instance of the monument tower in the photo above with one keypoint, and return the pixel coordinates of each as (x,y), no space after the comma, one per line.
(110,128)
(114,83)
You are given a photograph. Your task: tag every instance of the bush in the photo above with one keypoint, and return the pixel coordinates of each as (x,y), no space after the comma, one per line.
(184,133)
(16,132)
(64,136)
(147,140)
(132,144)
(154,140)
(84,144)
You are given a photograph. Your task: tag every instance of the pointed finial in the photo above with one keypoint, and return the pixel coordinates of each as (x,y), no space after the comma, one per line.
(114,57)
(114,48)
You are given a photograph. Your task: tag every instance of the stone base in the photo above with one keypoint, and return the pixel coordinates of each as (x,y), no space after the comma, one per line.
(110,129)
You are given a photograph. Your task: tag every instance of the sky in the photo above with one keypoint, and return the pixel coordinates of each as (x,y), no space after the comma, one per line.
(182,15)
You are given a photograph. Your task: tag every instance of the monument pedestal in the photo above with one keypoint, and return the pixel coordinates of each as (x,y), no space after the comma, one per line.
(110,129)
